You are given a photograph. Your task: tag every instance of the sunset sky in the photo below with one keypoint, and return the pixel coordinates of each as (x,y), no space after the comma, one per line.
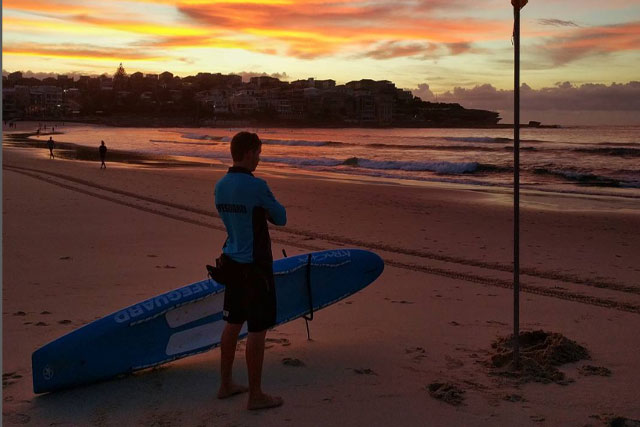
(429,46)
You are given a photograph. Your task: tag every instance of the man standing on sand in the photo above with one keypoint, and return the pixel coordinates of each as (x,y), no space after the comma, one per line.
(103,154)
(245,204)
(51,146)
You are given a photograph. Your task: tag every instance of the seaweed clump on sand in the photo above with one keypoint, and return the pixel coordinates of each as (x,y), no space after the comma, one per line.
(541,353)
(623,422)
(446,392)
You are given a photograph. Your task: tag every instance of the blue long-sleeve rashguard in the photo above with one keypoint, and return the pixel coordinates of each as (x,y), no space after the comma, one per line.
(245,204)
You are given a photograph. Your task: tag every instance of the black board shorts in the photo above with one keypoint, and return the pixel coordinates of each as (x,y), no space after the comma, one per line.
(250,296)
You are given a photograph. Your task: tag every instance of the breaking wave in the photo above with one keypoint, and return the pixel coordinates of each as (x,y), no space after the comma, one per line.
(166,141)
(586,178)
(613,151)
(304,143)
(437,167)
(203,137)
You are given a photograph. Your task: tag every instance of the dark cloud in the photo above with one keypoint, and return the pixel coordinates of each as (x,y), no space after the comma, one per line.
(557,23)
(395,49)
(246,75)
(563,96)
(41,76)
(458,48)
(424,92)
(419,50)
(565,103)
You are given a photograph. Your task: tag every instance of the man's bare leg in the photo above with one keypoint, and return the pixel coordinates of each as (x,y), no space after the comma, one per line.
(255,357)
(227,353)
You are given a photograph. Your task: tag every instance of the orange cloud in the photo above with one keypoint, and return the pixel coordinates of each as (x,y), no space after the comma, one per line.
(196,42)
(299,28)
(92,53)
(142,27)
(307,32)
(45,6)
(583,42)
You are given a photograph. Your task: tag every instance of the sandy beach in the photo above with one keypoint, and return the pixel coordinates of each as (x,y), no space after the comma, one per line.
(80,243)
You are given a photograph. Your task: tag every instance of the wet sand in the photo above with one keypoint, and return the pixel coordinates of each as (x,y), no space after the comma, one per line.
(80,243)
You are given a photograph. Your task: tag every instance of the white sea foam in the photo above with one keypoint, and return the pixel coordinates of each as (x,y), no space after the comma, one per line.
(202,137)
(304,161)
(476,139)
(437,167)
(295,142)
(195,136)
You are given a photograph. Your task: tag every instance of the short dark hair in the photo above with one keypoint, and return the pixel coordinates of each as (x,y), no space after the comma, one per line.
(242,143)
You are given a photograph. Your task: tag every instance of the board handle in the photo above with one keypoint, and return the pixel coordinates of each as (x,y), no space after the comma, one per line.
(308,318)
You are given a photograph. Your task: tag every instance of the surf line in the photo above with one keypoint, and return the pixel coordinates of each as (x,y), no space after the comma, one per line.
(168,299)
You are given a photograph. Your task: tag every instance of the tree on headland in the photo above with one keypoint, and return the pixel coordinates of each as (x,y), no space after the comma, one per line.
(120,79)
(120,73)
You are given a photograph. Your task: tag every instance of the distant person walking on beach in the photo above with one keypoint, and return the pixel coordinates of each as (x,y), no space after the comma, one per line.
(51,145)
(245,204)
(103,154)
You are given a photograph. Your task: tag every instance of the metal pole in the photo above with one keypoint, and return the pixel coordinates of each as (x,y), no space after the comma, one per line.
(516,189)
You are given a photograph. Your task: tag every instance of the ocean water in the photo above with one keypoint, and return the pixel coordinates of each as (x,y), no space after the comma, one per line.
(596,160)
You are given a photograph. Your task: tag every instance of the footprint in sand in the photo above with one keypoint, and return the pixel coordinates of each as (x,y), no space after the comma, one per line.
(418,353)
(65,258)
(402,302)
(495,322)
(454,323)
(10,378)
(513,398)
(42,324)
(364,371)
(288,361)
(588,370)
(453,363)
(152,256)
(45,312)
(17,418)
(282,341)
(64,322)
(19,313)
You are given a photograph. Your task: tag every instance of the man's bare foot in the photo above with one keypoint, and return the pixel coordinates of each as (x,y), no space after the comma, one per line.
(231,390)
(264,402)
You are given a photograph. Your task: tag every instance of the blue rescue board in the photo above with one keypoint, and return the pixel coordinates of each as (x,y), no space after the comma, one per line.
(188,320)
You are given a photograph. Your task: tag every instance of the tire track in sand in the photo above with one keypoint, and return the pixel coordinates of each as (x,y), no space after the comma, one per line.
(96,189)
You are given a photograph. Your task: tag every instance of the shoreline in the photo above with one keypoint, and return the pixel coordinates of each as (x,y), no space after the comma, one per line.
(540,197)
(154,124)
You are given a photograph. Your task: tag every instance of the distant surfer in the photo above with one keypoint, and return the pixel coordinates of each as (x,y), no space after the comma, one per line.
(102,150)
(51,146)
(245,204)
